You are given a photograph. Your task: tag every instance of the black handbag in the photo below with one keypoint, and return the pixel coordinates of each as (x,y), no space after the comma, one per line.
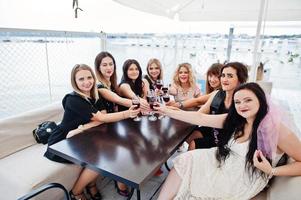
(43,131)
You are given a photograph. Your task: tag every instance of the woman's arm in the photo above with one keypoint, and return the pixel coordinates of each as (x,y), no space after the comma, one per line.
(81,128)
(206,107)
(146,83)
(173,90)
(194,102)
(193,117)
(113,117)
(115,98)
(126,91)
(289,143)
(145,88)
(197,91)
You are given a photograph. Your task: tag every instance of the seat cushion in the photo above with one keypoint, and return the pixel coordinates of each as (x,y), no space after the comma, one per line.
(16,132)
(261,196)
(28,169)
(285,188)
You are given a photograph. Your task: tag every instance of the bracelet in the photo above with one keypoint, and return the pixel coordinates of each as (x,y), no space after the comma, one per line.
(272,172)
(81,127)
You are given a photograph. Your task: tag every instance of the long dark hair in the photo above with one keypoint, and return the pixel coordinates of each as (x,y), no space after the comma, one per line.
(97,62)
(137,85)
(234,125)
(241,71)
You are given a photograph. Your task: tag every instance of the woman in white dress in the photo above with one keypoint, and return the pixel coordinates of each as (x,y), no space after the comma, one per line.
(243,162)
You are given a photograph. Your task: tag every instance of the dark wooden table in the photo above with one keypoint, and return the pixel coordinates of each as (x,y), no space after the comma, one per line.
(126,151)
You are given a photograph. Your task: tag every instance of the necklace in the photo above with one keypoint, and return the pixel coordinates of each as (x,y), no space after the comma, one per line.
(184,91)
(107,84)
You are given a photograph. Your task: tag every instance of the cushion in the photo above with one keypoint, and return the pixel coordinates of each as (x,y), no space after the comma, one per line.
(28,169)
(266,86)
(261,196)
(16,132)
(285,188)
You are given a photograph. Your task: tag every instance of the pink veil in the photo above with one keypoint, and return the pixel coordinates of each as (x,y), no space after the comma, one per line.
(269,128)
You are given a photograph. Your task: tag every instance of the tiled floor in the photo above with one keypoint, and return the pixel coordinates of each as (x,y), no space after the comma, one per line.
(148,191)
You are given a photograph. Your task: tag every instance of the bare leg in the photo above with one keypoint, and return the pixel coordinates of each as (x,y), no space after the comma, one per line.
(191,145)
(195,134)
(92,187)
(171,186)
(121,186)
(86,177)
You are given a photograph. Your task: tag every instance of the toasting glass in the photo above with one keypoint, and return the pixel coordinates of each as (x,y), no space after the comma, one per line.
(151,99)
(166,98)
(136,102)
(159,84)
(165,89)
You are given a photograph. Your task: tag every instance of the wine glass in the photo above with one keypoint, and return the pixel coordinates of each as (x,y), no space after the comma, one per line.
(165,89)
(159,84)
(136,102)
(166,98)
(151,99)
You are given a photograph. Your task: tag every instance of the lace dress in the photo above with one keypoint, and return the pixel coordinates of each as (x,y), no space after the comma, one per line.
(202,179)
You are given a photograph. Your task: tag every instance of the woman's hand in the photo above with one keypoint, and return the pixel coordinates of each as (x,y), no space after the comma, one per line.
(144,105)
(160,108)
(158,92)
(261,162)
(133,111)
(171,103)
(73,133)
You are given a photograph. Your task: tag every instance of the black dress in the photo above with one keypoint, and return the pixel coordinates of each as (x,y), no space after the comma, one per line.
(151,84)
(78,111)
(209,138)
(109,106)
(139,94)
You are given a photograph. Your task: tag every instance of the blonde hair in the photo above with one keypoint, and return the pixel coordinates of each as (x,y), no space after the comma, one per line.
(156,62)
(77,68)
(191,77)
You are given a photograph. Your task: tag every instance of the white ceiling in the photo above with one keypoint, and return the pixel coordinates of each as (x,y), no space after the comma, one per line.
(218,10)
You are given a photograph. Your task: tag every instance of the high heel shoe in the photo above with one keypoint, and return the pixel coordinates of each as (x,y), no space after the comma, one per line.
(96,196)
(80,196)
(124,193)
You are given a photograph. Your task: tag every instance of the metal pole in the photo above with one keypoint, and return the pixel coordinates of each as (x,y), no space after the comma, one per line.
(103,41)
(229,48)
(48,70)
(257,40)
(176,51)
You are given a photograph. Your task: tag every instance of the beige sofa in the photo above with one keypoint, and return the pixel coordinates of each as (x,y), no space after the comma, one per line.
(22,164)
(23,167)
(281,189)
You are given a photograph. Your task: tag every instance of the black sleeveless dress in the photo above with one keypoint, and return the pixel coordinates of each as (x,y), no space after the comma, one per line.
(210,134)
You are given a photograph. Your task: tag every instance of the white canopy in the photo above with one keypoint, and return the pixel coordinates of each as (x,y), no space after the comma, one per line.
(223,10)
(218,10)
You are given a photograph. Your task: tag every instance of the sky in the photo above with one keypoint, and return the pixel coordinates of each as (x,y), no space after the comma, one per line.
(111,17)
